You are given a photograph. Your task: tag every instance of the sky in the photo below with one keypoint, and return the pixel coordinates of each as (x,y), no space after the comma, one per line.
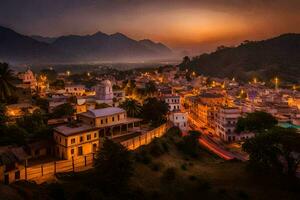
(193,25)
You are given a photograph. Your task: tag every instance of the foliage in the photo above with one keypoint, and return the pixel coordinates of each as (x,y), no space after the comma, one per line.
(12,135)
(50,74)
(256,122)
(113,165)
(35,125)
(129,87)
(169,174)
(6,85)
(102,105)
(43,103)
(132,107)
(63,110)
(3,117)
(58,84)
(190,144)
(154,111)
(248,57)
(278,148)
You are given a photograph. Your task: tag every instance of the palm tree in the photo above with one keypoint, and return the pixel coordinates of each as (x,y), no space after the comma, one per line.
(132,107)
(6,78)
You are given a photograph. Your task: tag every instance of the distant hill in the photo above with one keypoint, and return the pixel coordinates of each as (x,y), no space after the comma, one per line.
(43,39)
(279,56)
(18,48)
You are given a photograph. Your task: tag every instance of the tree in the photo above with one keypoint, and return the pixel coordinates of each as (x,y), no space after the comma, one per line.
(150,88)
(51,74)
(185,64)
(3,116)
(58,84)
(63,110)
(278,148)
(132,107)
(12,134)
(113,166)
(6,85)
(154,111)
(190,144)
(256,122)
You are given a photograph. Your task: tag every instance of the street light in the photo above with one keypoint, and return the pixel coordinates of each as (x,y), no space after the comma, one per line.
(68,73)
(255,80)
(276,82)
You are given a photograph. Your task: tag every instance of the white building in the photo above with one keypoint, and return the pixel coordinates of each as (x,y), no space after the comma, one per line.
(173,101)
(179,119)
(28,78)
(104,92)
(227,118)
(75,90)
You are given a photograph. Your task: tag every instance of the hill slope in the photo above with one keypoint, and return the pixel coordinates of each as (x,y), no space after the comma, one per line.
(15,47)
(278,56)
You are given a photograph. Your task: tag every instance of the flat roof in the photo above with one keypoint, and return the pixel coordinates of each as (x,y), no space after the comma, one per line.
(80,128)
(72,130)
(103,112)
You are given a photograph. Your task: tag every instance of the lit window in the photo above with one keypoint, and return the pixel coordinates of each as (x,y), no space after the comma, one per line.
(73,141)
(88,137)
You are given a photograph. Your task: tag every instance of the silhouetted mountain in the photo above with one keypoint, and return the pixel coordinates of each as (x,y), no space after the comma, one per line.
(278,56)
(15,47)
(20,48)
(43,39)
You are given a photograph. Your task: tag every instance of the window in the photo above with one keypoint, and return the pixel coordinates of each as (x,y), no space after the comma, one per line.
(80,151)
(81,139)
(113,119)
(118,117)
(72,151)
(101,121)
(72,140)
(106,120)
(88,137)
(95,135)
(94,147)
(17,175)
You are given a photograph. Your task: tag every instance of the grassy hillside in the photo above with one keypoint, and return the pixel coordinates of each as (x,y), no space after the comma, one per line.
(163,171)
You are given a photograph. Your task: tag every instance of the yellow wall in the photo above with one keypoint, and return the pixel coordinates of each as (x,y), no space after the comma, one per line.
(64,145)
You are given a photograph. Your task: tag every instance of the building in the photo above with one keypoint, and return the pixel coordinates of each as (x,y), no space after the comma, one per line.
(204,107)
(28,78)
(104,92)
(85,137)
(75,90)
(226,120)
(179,119)
(173,101)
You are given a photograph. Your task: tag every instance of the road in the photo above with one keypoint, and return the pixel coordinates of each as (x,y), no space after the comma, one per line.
(215,147)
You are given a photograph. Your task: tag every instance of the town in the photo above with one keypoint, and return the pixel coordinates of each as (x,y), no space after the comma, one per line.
(56,122)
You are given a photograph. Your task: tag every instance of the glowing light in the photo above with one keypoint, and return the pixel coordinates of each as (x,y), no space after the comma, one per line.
(68,73)
(254,80)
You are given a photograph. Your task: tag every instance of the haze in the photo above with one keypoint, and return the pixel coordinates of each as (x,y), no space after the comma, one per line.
(193,25)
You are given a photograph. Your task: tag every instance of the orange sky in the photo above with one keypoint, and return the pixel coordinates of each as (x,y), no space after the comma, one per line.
(194,25)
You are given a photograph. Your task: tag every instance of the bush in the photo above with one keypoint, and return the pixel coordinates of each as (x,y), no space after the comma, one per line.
(156,166)
(190,144)
(143,157)
(242,195)
(192,178)
(155,147)
(169,174)
(184,167)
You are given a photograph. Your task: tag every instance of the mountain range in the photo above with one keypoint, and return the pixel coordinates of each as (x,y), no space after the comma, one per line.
(278,56)
(18,48)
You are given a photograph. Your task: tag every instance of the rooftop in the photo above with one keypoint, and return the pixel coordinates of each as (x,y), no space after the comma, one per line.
(103,112)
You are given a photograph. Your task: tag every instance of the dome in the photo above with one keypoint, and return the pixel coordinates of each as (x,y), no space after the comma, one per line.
(106,83)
